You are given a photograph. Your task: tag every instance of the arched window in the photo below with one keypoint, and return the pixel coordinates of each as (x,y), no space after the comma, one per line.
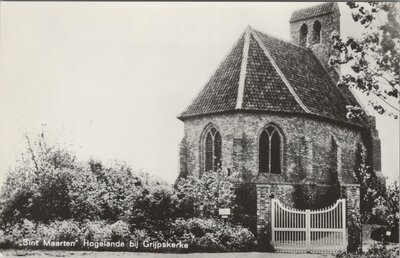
(316,32)
(303,35)
(212,150)
(270,150)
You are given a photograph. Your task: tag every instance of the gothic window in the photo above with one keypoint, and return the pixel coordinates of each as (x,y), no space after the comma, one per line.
(316,32)
(303,35)
(270,153)
(212,147)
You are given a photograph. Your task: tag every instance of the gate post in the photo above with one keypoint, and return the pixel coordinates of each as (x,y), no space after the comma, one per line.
(264,229)
(353,217)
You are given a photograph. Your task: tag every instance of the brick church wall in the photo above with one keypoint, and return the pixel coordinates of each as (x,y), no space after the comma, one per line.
(307,145)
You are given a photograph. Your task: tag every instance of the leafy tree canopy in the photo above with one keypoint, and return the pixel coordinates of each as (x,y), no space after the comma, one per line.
(374,57)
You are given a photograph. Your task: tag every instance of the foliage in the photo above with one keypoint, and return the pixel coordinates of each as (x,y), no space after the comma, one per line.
(37,189)
(387,206)
(200,234)
(212,235)
(101,230)
(154,209)
(370,189)
(49,195)
(378,203)
(48,184)
(67,230)
(376,251)
(203,197)
(374,58)
(245,208)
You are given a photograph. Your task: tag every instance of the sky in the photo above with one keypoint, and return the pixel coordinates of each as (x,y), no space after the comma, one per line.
(108,80)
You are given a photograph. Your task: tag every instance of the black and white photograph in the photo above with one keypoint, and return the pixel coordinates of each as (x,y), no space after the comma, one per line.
(199,129)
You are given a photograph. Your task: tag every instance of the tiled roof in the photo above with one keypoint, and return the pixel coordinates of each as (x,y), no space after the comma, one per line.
(313,11)
(308,78)
(264,89)
(262,73)
(220,92)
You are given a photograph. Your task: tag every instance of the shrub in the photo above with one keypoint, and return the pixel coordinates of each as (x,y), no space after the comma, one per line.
(212,235)
(376,251)
(96,231)
(48,184)
(27,230)
(370,188)
(382,251)
(206,195)
(387,206)
(24,230)
(49,195)
(245,211)
(67,230)
(120,231)
(153,208)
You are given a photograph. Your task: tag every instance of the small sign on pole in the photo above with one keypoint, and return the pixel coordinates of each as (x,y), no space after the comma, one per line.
(224,212)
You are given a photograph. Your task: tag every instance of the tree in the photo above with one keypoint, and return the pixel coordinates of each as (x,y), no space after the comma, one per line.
(387,206)
(371,188)
(374,58)
(38,187)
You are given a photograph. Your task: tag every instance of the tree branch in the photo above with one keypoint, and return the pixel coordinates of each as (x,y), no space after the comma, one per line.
(32,153)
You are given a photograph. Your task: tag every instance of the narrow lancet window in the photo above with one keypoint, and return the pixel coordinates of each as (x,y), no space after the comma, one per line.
(303,35)
(270,151)
(317,32)
(213,143)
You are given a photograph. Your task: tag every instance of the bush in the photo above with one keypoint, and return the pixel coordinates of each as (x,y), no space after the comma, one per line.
(97,231)
(27,230)
(212,235)
(203,197)
(24,230)
(382,251)
(49,195)
(376,251)
(370,189)
(48,184)
(67,230)
(245,211)
(387,206)
(120,231)
(153,209)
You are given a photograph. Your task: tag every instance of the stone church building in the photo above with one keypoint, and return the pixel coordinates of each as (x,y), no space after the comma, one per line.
(273,108)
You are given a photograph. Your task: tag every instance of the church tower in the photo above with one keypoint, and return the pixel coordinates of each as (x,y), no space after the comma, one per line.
(312,27)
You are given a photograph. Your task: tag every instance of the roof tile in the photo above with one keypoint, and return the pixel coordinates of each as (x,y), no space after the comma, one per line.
(283,78)
(220,92)
(264,88)
(308,77)
(312,11)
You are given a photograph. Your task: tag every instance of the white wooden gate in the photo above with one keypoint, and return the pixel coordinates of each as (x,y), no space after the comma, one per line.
(315,231)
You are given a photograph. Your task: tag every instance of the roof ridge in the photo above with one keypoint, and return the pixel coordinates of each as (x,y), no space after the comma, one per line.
(285,81)
(316,5)
(211,76)
(281,39)
(297,12)
(243,68)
